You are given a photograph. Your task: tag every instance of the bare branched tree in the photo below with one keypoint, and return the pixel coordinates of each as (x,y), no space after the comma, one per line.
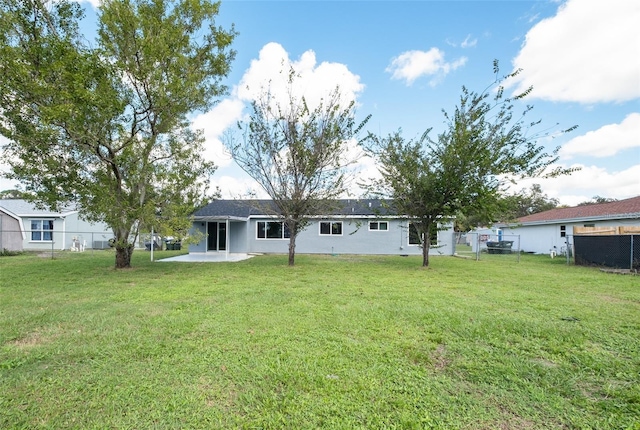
(298,154)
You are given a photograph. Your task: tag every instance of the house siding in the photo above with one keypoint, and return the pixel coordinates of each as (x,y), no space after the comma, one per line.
(10,233)
(541,239)
(67,225)
(199,229)
(65,229)
(356,238)
(238,237)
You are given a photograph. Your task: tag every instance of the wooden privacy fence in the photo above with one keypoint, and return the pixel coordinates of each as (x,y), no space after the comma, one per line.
(605,231)
(617,247)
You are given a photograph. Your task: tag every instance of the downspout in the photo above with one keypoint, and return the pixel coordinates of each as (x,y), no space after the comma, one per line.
(226,239)
(64,231)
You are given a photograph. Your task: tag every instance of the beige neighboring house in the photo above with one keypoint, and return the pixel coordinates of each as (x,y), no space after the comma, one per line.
(553,230)
(23,227)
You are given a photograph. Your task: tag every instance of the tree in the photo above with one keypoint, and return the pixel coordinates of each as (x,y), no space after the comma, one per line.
(299,155)
(597,200)
(527,202)
(13,194)
(466,168)
(106,127)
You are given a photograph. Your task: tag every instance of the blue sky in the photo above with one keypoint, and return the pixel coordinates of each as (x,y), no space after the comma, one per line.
(405,61)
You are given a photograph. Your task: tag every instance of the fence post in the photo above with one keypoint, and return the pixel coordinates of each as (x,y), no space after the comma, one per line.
(52,245)
(631,257)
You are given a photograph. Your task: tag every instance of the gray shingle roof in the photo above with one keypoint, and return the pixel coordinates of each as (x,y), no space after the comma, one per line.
(23,208)
(246,208)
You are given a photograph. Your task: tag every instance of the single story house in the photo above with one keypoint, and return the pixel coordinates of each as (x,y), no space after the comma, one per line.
(356,227)
(23,227)
(553,230)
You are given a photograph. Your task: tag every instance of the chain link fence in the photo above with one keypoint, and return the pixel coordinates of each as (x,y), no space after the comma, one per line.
(614,251)
(482,246)
(50,242)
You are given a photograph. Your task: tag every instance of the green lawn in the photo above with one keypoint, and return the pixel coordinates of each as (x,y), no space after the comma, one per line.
(336,342)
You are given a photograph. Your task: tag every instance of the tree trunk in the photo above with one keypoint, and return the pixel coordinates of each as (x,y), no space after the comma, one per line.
(425,252)
(292,224)
(124,249)
(123,256)
(292,249)
(426,244)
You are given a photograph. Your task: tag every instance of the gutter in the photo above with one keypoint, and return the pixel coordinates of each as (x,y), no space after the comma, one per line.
(635,215)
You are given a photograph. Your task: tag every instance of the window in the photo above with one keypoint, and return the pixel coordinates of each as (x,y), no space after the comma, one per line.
(272,230)
(333,228)
(563,231)
(378,226)
(414,237)
(42,229)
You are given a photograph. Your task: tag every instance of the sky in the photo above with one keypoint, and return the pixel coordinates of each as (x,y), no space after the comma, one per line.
(404,62)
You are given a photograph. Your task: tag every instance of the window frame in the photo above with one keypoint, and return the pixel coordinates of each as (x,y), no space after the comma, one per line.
(563,231)
(378,223)
(331,228)
(40,229)
(434,237)
(285,234)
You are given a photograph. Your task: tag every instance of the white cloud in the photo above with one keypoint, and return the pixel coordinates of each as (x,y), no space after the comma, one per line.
(238,187)
(606,141)
(411,65)
(588,52)
(6,184)
(270,71)
(468,42)
(588,182)
(214,123)
(94,3)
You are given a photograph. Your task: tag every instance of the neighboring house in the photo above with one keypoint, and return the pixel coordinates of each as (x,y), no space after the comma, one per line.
(552,230)
(358,227)
(23,227)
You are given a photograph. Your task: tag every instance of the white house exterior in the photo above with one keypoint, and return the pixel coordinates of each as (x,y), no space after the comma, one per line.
(552,230)
(357,227)
(23,227)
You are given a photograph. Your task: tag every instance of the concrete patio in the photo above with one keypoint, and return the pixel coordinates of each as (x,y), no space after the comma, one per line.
(209,257)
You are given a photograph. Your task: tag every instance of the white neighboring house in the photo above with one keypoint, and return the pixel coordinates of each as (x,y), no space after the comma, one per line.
(23,227)
(552,230)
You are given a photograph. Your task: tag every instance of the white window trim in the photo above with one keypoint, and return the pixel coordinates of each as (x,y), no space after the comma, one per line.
(431,245)
(270,238)
(41,230)
(379,229)
(330,228)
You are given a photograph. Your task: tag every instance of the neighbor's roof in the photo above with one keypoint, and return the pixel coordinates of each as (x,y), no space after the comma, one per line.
(621,209)
(23,208)
(243,209)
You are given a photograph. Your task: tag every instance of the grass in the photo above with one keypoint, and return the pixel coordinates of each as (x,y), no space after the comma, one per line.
(334,342)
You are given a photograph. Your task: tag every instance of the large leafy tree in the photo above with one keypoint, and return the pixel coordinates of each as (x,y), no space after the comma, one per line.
(528,202)
(523,203)
(105,124)
(465,169)
(298,154)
